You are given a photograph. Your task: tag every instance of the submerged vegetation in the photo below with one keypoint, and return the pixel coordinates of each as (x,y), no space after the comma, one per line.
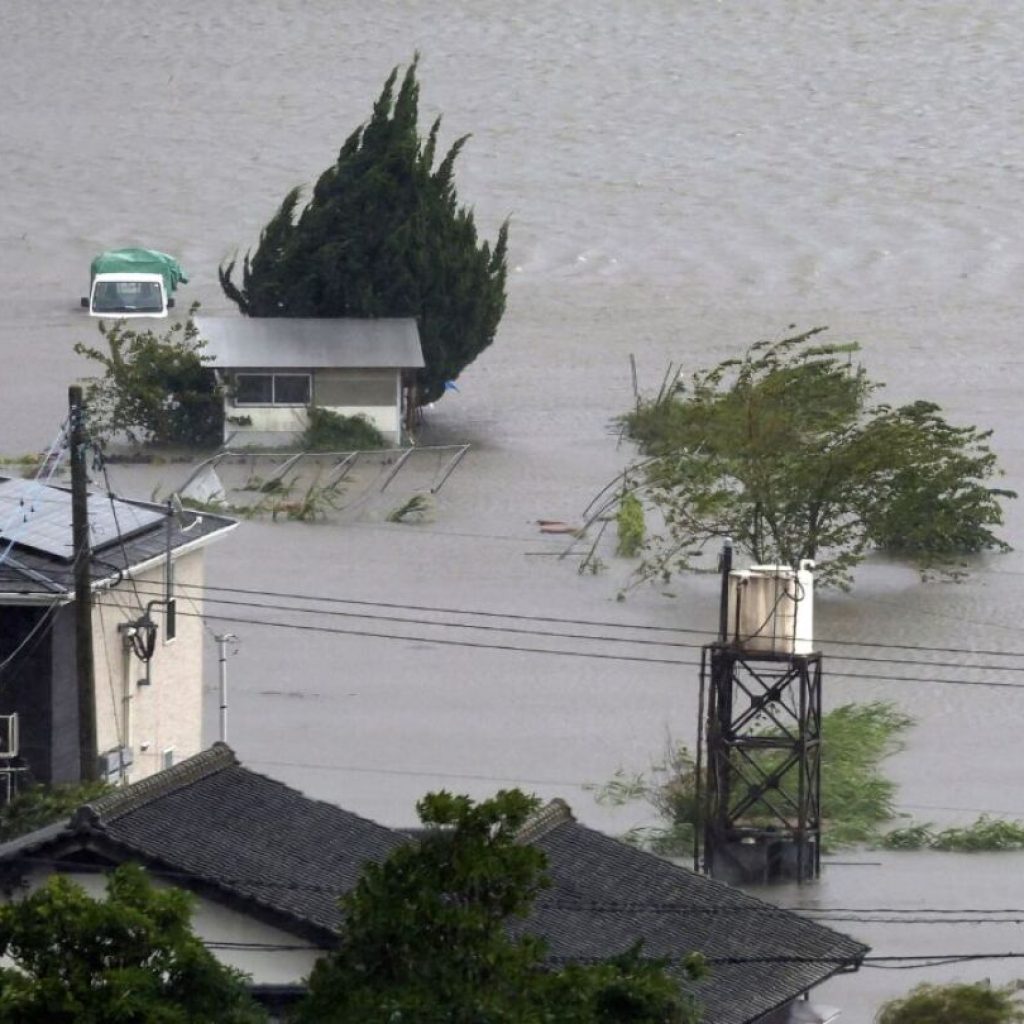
(630,522)
(156,389)
(856,798)
(417,509)
(787,451)
(329,431)
(383,235)
(984,834)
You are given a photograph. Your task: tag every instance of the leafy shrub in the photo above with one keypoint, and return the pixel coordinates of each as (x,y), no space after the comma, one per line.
(984,834)
(979,1003)
(630,522)
(855,797)
(39,805)
(330,431)
(155,389)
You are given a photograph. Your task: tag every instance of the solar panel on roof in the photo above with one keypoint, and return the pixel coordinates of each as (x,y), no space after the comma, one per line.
(33,515)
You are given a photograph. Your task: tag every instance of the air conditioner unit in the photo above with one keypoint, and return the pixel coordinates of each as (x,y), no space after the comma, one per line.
(771,609)
(112,762)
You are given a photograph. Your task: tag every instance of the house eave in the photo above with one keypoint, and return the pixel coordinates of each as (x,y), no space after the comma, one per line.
(176,553)
(113,852)
(62,597)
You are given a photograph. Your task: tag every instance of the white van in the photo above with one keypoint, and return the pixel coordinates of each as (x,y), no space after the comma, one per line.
(128,295)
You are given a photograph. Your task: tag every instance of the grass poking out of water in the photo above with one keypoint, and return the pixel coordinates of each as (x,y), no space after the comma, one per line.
(856,797)
(984,834)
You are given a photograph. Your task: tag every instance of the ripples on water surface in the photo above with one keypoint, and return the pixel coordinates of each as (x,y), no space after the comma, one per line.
(682,178)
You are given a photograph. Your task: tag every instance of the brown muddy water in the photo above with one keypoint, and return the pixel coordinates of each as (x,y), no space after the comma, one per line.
(682,179)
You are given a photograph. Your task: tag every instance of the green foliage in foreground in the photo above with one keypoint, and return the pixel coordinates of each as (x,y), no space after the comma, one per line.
(383,235)
(426,938)
(985,834)
(784,451)
(129,958)
(329,431)
(856,798)
(954,1004)
(40,805)
(156,389)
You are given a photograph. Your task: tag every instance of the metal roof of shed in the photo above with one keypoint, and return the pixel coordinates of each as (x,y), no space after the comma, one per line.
(311,342)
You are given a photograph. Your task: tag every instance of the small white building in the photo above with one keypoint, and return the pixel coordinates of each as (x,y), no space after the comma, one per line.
(273,369)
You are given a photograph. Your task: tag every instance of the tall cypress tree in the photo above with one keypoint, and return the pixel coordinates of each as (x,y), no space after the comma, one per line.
(383,234)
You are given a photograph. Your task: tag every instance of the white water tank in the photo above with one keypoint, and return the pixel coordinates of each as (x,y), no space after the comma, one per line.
(771,609)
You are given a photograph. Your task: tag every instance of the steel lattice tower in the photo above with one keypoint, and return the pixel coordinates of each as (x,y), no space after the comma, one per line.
(760,796)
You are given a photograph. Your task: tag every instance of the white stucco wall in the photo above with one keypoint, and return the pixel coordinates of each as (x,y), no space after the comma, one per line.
(292,420)
(167,714)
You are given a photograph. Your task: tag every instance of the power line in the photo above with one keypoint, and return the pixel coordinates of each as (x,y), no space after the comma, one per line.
(578,636)
(51,461)
(418,773)
(641,659)
(966,666)
(602,624)
(451,643)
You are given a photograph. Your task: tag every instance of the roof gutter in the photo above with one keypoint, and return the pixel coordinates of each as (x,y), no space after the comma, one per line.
(161,559)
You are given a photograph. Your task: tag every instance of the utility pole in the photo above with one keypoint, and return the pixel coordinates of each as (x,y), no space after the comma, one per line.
(82,561)
(222,641)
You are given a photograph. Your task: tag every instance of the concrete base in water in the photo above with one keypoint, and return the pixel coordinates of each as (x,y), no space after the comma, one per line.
(765,858)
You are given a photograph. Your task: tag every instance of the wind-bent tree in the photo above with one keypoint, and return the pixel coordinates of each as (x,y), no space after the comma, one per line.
(783,451)
(129,958)
(426,938)
(383,235)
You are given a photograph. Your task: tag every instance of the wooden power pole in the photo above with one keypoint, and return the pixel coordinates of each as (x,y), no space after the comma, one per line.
(87,753)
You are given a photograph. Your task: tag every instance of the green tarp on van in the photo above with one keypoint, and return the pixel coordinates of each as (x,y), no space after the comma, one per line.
(140,261)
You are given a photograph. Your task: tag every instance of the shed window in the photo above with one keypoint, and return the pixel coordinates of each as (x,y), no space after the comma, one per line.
(272,389)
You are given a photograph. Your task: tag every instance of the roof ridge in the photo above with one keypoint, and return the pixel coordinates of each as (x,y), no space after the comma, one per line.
(551,815)
(207,762)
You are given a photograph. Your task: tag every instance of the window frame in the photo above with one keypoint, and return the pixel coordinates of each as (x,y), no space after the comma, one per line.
(274,403)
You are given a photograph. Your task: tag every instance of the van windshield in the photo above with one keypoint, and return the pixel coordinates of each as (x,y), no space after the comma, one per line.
(127,297)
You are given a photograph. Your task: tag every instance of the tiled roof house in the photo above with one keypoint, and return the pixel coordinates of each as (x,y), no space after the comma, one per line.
(267,865)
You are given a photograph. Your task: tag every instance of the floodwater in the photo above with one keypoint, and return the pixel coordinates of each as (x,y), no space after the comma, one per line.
(682,180)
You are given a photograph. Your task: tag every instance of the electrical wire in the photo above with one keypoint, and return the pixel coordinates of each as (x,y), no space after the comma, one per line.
(117,528)
(635,659)
(208,589)
(51,461)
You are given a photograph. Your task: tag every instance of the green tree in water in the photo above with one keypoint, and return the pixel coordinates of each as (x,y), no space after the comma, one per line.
(156,389)
(784,451)
(383,235)
(426,938)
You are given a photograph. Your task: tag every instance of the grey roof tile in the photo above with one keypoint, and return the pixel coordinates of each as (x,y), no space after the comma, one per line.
(606,895)
(268,846)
